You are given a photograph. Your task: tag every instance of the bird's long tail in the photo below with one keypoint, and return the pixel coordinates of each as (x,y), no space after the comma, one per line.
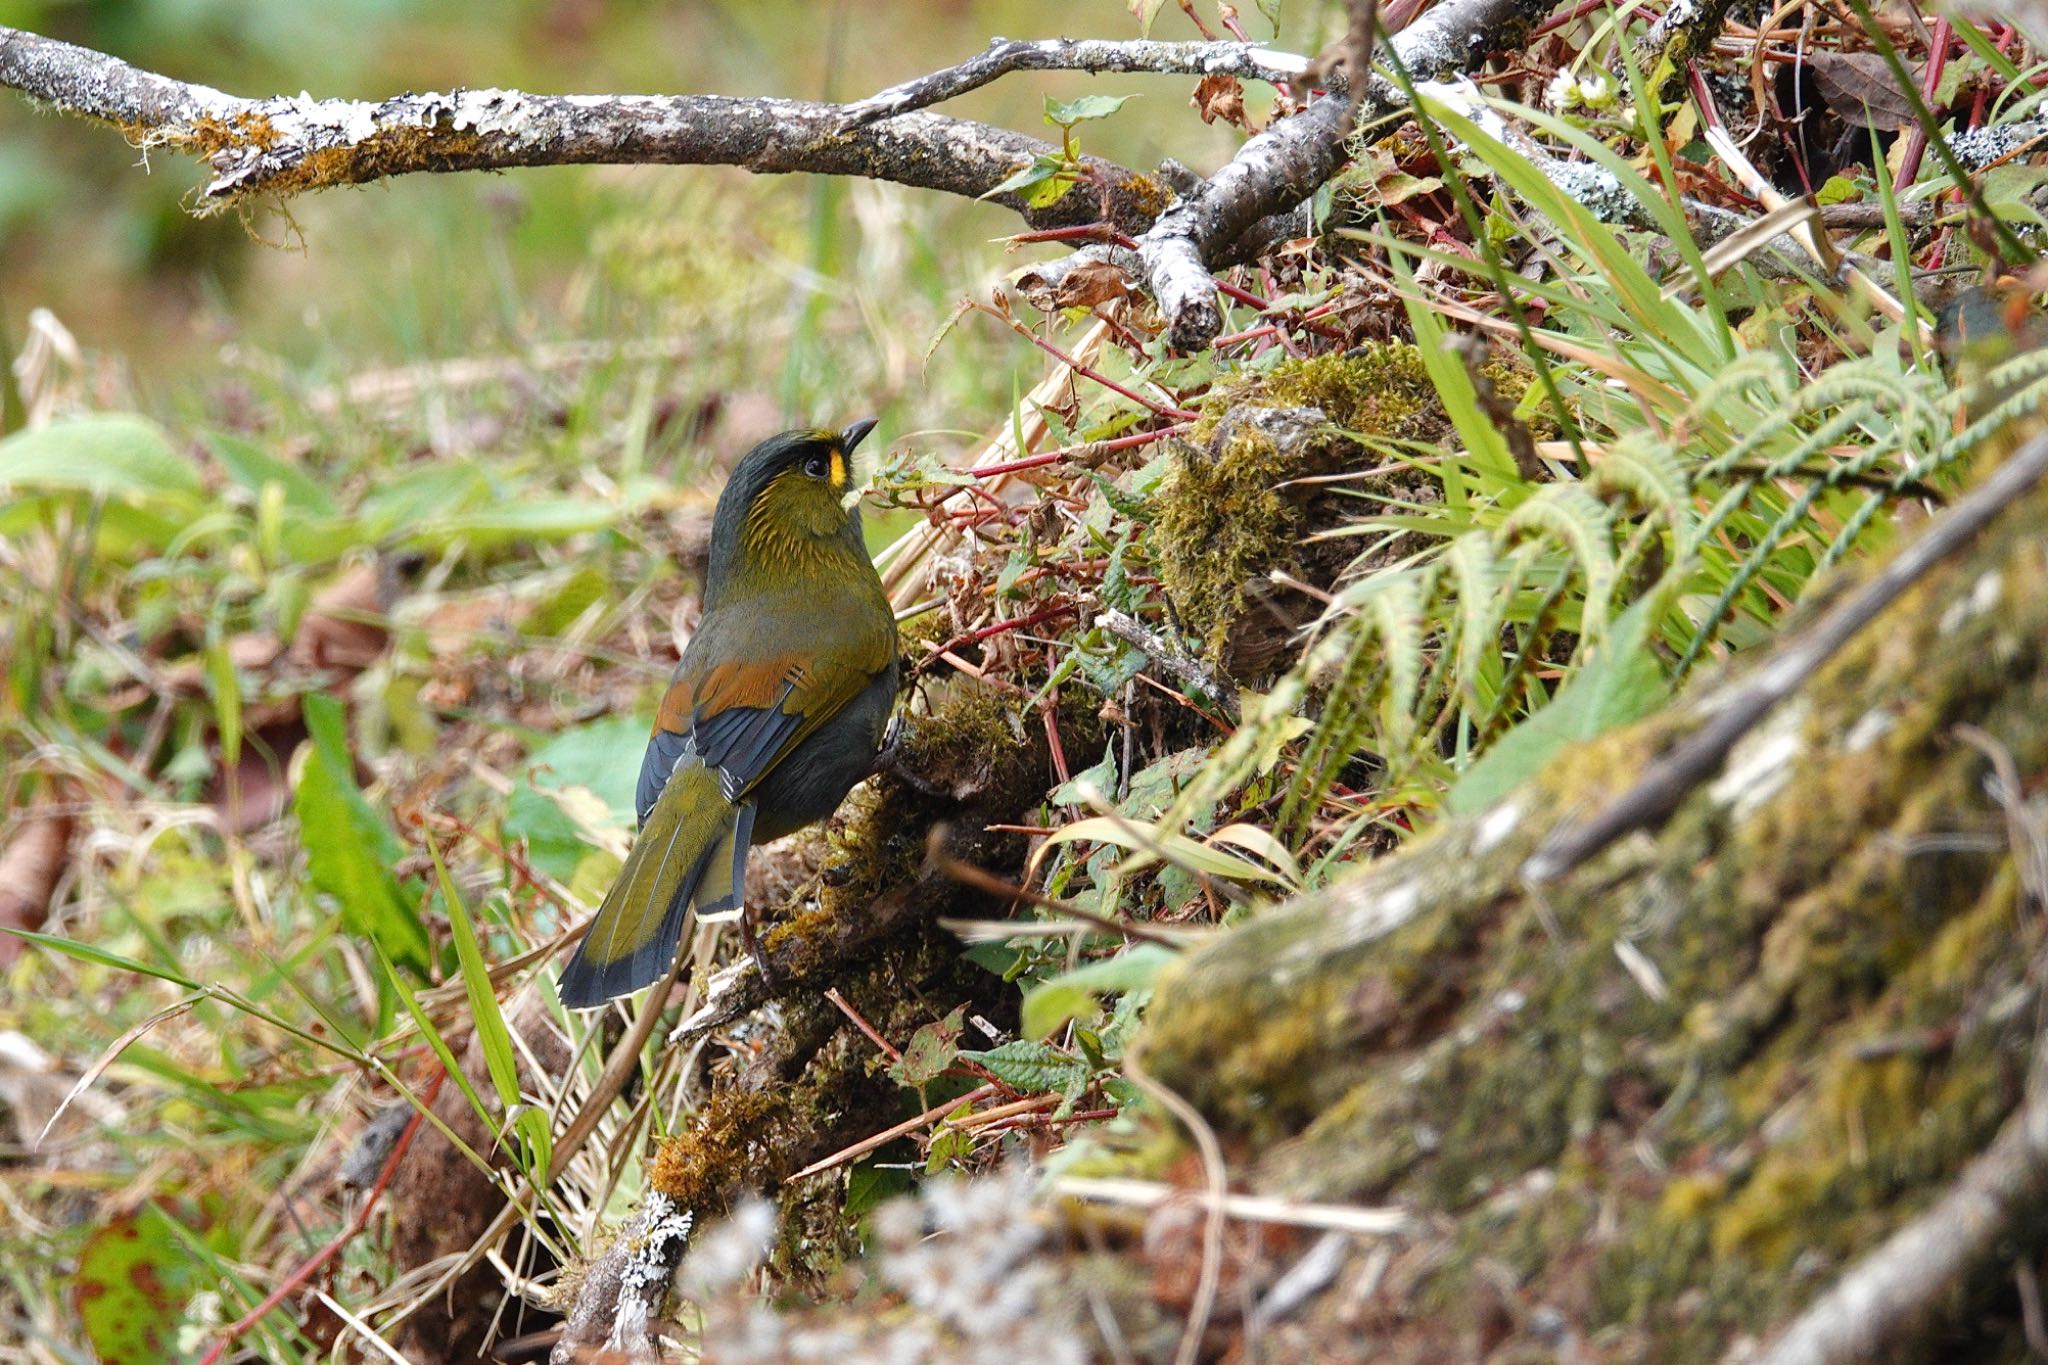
(692,850)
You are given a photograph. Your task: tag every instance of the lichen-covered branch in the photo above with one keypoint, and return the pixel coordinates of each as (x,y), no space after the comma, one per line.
(1248,61)
(288,145)
(1288,162)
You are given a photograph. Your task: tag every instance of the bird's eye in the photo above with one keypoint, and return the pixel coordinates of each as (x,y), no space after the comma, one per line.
(817,466)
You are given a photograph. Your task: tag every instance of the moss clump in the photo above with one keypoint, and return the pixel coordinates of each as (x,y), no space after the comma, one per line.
(1227,516)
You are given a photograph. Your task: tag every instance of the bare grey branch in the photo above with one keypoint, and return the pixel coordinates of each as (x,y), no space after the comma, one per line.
(1248,61)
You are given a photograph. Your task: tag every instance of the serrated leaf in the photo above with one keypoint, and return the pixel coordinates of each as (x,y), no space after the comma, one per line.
(1031,1067)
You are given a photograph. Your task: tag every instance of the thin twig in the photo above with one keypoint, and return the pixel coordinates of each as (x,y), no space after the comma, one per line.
(1100,56)
(889,1135)
(235,1330)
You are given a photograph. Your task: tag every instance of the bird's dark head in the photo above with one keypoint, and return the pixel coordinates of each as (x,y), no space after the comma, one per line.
(788,498)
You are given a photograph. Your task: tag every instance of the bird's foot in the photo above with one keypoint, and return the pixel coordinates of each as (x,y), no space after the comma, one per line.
(751,941)
(889,760)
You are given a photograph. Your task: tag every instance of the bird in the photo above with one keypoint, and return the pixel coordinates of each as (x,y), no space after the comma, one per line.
(779,705)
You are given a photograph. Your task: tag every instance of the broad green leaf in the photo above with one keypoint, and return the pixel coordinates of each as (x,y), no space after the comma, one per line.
(116,454)
(542,518)
(1031,1067)
(1145,11)
(255,469)
(1069,995)
(1067,113)
(1041,169)
(130,1288)
(591,769)
(349,849)
(1623,682)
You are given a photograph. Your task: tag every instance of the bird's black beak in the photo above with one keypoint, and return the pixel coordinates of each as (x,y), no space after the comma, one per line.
(855,434)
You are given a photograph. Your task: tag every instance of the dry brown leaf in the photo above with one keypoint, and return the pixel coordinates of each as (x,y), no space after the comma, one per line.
(1861,90)
(1084,284)
(1220,97)
(30,868)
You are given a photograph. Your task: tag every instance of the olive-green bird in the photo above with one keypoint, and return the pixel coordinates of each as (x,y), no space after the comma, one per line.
(777,708)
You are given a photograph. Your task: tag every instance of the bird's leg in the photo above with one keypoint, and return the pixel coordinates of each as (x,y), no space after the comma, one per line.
(751,941)
(889,759)
(885,757)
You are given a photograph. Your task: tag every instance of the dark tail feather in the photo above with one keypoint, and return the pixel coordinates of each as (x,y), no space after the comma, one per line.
(632,941)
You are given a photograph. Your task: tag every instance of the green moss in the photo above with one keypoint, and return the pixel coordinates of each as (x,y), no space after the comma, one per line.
(1827,1016)
(1225,516)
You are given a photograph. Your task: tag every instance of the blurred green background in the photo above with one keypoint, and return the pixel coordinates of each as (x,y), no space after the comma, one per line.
(442,266)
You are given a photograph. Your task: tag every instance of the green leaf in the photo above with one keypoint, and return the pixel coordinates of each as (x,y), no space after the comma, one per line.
(1623,682)
(255,468)
(1067,113)
(349,848)
(1072,994)
(1101,779)
(113,453)
(1031,1067)
(1041,169)
(931,1050)
(130,1288)
(225,686)
(586,773)
(1145,11)
(500,1059)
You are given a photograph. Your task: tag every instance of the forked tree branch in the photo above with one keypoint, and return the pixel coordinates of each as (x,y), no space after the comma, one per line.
(288,145)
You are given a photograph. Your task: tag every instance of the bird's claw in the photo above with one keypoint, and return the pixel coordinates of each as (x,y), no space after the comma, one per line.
(751,941)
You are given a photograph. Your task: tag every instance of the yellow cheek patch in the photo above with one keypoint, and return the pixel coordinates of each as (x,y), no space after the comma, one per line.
(838,470)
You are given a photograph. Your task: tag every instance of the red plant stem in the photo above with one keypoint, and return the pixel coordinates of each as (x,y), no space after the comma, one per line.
(874,1035)
(975,637)
(1243,295)
(1930,81)
(1015,1122)
(1171,414)
(1082,232)
(1270,329)
(1052,740)
(1558,21)
(1039,461)
(234,1330)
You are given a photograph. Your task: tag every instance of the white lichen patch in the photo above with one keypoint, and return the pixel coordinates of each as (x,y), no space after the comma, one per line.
(1982,597)
(1870,727)
(1496,825)
(1762,763)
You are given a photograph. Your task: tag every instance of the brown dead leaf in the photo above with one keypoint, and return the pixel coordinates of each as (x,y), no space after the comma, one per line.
(1861,90)
(1083,284)
(1220,97)
(333,633)
(30,867)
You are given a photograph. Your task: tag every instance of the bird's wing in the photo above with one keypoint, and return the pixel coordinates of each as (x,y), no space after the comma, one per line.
(742,715)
